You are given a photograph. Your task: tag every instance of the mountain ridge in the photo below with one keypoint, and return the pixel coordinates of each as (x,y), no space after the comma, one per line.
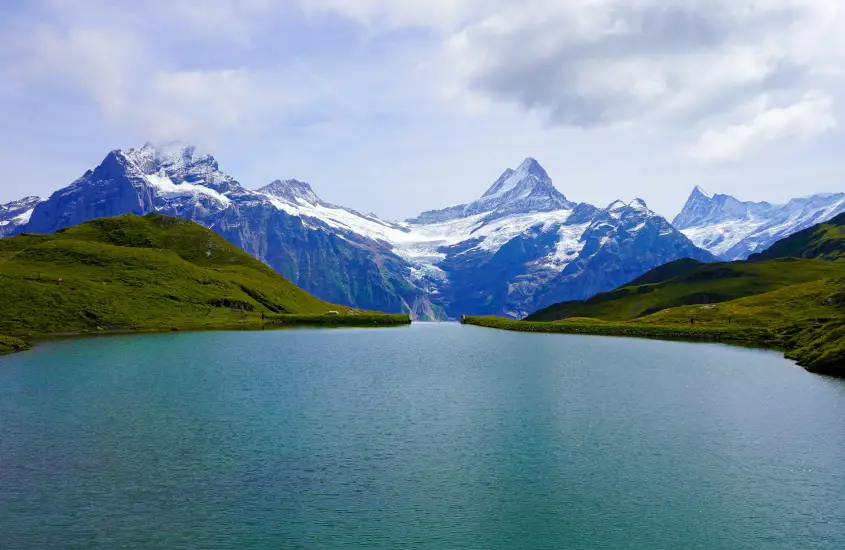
(518,247)
(734,230)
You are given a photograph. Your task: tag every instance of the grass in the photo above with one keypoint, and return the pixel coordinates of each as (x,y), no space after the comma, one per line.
(705,284)
(791,297)
(9,344)
(824,240)
(806,321)
(597,327)
(147,273)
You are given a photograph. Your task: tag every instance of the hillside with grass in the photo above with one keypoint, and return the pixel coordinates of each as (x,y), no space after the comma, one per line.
(703,284)
(791,297)
(132,273)
(825,240)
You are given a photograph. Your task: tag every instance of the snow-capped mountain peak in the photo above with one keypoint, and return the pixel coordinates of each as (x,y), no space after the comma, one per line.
(639,204)
(292,191)
(181,165)
(523,190)
(699,191)
(527,175)
(636,207)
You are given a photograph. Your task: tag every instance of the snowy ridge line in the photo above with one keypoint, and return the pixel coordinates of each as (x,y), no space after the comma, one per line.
(733,230)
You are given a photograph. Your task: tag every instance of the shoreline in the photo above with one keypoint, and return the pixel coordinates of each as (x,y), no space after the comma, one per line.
(11,344)
(757,337)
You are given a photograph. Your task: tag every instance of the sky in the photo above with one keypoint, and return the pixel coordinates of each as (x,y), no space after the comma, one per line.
(400,106)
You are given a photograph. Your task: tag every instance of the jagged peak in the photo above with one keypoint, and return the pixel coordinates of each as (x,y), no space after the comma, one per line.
(26,200)
(699,191)
(639,204)
(616,205)
(531,166)
(529,169)
(174,152)
(291,190)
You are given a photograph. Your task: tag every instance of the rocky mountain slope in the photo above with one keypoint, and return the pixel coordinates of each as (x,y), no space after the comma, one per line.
(521,246)
(733,230)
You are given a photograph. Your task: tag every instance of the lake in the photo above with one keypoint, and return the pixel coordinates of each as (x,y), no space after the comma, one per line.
(430,436)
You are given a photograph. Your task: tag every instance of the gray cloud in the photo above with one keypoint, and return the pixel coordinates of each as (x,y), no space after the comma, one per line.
(593,64)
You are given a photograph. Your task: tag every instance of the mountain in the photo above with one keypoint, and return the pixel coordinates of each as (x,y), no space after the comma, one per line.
(809,255)
(155,272)
(521,246)
(503,263)
(339,266)
(15,215)
(526,189)
(733,230)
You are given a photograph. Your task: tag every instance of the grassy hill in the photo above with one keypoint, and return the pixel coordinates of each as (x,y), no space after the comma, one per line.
(825,240)
(792,296)
(703,284)
(154,272)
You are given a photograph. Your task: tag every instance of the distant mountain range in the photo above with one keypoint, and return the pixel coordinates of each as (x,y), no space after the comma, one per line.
(520,247)
(733,230)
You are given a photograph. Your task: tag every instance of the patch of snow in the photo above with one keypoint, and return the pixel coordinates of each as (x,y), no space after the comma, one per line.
(420,244)
(4,223)
(167,189)
(721,237)
(21,219)
(569,245)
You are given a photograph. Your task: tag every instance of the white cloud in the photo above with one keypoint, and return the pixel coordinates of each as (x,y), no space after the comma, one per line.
(95,61)
(804,119)
(195,103)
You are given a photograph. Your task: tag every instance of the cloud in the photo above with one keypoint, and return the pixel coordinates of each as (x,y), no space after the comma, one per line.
(591,63)
(672,66)
(196,104)
(804,119)
(96,61)
(163,88)
(654,64)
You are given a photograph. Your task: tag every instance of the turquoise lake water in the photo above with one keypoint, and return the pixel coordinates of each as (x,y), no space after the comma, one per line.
(429,436)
